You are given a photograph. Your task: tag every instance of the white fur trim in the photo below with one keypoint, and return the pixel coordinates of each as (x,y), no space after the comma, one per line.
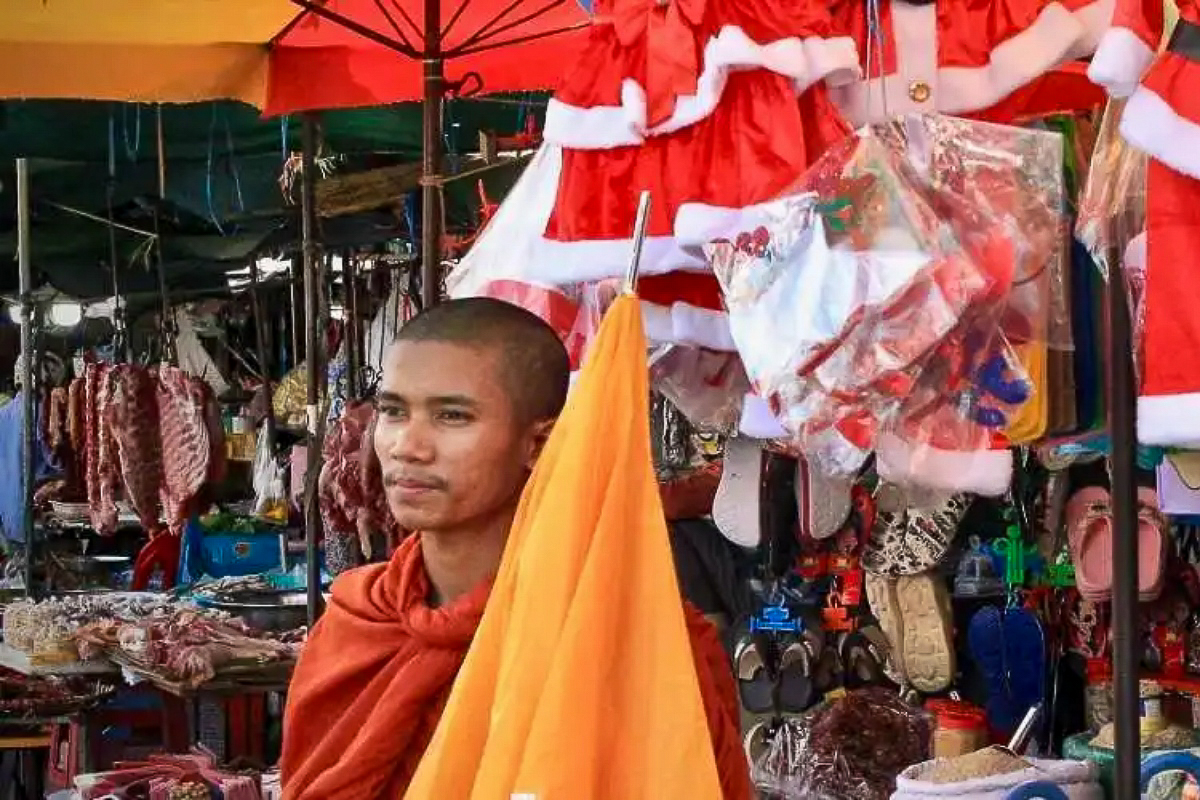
(1121,59)
(1095,18)
(758,421)
(1169,420)
(1152,126)
(1013,63)
(984,472)
(560,263)
(687,325)
(805,61)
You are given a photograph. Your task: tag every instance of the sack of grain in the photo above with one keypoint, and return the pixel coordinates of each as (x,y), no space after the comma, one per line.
(990,774)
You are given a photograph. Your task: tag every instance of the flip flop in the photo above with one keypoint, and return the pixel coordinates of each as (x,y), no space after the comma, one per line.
(985,639)
(862,661)
(1025,661)
(822,500)
(1089,535)
(755,687)
(795,678)
(928,631)
(737,504)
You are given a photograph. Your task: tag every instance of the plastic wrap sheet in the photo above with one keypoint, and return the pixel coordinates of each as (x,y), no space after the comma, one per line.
(845,293)
(1112,214)
(852,747)
(1014,175)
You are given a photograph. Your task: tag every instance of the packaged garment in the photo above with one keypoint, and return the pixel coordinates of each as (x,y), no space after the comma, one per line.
(844,293)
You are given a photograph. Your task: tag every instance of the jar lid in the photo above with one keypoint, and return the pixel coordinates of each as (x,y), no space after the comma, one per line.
(961,721)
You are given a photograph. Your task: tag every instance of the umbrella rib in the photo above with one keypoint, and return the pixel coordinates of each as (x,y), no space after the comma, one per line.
(454,18)
(357,27)
(491,31)
(466,51)
(412,23)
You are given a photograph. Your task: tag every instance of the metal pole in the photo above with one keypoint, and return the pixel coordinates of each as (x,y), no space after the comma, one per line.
(295,273)
(1126,642)
(431,157)
(28,381)
(313,267)
(351,325)
(260,341)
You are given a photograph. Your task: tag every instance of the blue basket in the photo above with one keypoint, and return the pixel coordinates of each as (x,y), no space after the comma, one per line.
(223,555)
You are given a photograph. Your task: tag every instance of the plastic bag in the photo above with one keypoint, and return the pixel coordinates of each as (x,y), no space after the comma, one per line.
(706,386)
(840,294)
(1112,215)
(852,747)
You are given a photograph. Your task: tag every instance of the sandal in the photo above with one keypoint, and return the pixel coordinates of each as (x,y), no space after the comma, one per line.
(885,605)
(928,631)
(862,661)
(795,677)
(755,687)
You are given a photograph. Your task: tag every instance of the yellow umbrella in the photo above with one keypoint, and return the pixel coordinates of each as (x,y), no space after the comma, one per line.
(581,682)
(170,51)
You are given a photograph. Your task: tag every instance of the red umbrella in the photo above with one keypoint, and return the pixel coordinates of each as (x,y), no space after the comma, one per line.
(340,53)
(346,53)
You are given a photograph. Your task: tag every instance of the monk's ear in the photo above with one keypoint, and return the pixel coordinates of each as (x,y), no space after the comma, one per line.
(539,433)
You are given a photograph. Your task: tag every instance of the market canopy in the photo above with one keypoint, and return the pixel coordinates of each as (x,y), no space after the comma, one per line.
(274,54)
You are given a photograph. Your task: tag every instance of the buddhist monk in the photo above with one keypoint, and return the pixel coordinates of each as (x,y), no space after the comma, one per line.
(470,391)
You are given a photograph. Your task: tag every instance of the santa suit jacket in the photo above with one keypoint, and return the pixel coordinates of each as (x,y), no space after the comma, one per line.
(983,52)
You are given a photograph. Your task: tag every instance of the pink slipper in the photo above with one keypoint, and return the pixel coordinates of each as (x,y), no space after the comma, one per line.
(1089,534)
(1152,545)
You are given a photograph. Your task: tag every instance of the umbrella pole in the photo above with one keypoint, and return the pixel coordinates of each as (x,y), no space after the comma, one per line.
(431,157)
(28,389)
(260,342)
(312,297)
(1123,431)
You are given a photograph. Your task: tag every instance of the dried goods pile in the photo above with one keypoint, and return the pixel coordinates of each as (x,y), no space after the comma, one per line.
(151,438)
(190,646)
(865,740)
(48,628)
(195,776)
(981,764)
(351,494)
(23,697)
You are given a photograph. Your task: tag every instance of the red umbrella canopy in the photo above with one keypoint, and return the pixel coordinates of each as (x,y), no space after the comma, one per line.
(347,53)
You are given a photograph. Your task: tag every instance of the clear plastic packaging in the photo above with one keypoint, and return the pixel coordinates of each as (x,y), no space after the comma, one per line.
(843,295)
(854,746)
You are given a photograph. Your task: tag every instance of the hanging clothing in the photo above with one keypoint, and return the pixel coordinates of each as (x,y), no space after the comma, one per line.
(376,673)
(1162,119)
(738,86)
(981,53)
(12,476)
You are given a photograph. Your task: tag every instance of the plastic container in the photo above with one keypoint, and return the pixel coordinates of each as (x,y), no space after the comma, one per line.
(960,728)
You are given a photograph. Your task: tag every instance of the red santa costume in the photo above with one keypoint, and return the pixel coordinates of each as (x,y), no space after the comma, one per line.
(1162,118)
(981,53)
(716,102)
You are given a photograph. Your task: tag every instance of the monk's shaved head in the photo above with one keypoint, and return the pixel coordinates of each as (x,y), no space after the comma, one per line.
(534,365)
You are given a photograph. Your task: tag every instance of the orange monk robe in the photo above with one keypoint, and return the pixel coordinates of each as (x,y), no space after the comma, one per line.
(377,670)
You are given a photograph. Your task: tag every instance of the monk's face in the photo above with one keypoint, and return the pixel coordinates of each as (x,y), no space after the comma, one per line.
(453,451)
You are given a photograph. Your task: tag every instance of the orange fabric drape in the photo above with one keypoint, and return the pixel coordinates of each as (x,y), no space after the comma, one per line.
(583,655)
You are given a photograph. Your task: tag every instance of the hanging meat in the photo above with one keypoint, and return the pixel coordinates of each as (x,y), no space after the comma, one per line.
(76,432)
(132,415)
(103,467)
(192,443)
(350,492)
